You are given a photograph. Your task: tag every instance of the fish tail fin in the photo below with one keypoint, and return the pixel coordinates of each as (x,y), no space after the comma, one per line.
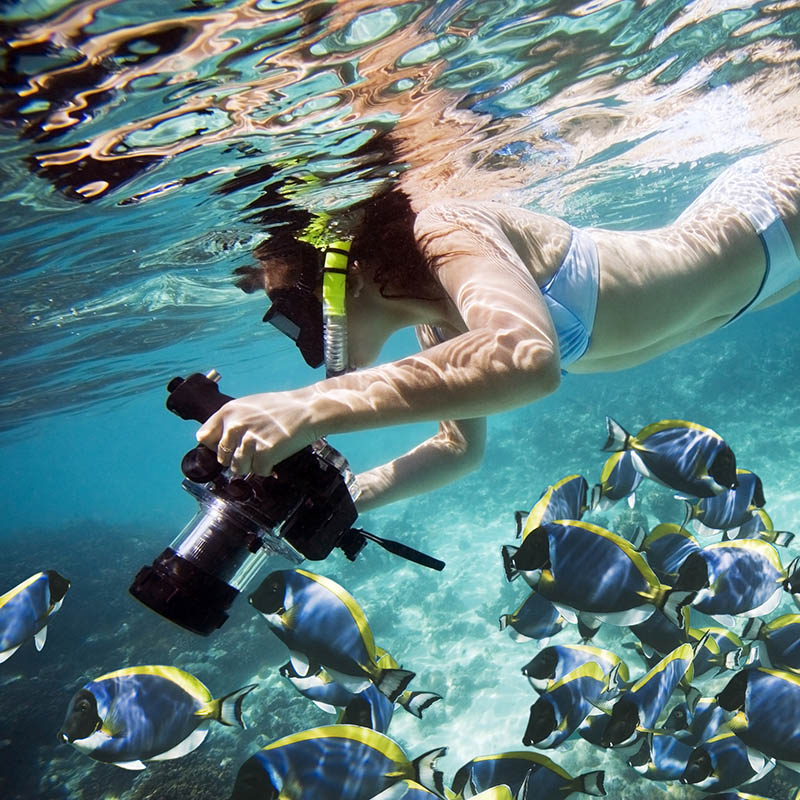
(638,536)
(519,521)
(782,538)
(792,581)
(228,709)
(755,654)
(733,659)
(595,496)
(425,771)
(416,702)
(618,438)
(392,682)
(508,552)
(688,510)
(505,621)
(752,628)
(614,684)
(590,783)
(672,603)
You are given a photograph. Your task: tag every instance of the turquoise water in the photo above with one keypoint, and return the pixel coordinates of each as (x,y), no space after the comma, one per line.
(605,113)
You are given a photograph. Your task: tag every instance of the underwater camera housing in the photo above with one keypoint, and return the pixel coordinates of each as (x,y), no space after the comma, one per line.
(304,509)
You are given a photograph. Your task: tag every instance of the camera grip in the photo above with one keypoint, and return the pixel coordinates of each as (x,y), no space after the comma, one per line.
(197,397)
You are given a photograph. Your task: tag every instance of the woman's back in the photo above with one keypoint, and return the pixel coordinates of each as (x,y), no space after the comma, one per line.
(664,287)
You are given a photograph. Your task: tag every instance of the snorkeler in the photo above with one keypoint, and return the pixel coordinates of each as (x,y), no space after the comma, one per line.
(504,300)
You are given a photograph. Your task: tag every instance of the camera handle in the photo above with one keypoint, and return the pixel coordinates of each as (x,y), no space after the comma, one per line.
(398,548)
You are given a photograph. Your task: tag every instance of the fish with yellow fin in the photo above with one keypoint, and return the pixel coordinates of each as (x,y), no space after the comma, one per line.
(684,456)
(146,713)
(26,609)
(334,762)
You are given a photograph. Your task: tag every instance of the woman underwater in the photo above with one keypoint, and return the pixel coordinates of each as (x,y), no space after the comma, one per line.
(504,299)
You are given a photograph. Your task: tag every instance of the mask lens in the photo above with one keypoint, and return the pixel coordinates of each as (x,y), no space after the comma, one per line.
(297,313)
(279,320)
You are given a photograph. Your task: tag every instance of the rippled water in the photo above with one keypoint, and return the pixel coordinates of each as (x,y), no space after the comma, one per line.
(140,140)
(124,122)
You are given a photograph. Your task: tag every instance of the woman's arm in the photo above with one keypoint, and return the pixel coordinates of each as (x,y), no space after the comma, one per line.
(507,357)
(454,451)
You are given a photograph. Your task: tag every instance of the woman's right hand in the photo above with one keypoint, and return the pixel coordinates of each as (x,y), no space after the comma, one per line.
(258,431)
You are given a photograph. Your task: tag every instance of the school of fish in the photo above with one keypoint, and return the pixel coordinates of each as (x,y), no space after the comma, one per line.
(696,607)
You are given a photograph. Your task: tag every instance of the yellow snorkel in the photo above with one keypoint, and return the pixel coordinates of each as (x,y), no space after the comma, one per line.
(334,309)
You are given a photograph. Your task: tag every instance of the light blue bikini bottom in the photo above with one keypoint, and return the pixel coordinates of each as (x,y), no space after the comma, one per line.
(571,296)
(743,187)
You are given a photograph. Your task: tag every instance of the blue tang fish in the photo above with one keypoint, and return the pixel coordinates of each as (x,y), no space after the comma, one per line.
(666,548)
(545,779)
(662,757)
(322,625)
(564,705)
(26,609)
(563,500)
(696,722)
(729,509)
(584,567)
(778,641)
(368,707)
(760,526)
(684,456)
(334,762)
(640,705)
(552,664)
(741,577)
(147,713)
(536,618)
(724,762)
(767,706)
(619,479)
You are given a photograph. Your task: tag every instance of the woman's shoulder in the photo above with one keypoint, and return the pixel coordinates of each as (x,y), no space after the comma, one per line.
(490,221)
(459,211)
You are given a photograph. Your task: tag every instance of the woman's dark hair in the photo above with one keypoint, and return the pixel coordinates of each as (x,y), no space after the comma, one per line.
(381,228)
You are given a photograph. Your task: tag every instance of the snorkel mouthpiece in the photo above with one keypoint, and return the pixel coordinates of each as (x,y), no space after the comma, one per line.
(334,313)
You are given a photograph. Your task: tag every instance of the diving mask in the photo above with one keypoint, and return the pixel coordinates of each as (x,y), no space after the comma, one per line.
(318,330)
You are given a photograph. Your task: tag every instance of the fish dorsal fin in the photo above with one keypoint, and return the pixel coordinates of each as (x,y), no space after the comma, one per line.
(40,638)
(191,742)
(416,702)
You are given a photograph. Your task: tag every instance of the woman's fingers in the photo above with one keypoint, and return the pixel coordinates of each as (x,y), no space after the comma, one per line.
(242,460)
(224,454)
(210,432)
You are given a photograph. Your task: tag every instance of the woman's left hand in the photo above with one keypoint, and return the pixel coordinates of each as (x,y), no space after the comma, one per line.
(258,431)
